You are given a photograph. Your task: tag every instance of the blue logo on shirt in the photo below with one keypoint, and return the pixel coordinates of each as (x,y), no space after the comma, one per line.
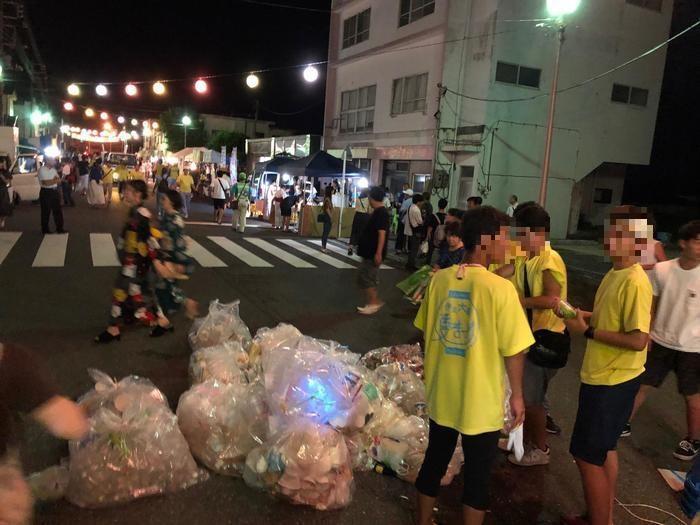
(457,323)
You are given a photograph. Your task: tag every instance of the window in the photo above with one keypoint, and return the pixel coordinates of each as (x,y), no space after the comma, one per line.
(654,5)
(357,110)
(363,164)
(519,75)
(356,29)
(602,196)
(412,10)
(409,94)
(629,95)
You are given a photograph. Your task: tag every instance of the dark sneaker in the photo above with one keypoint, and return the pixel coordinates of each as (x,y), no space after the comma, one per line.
(552,427)
(627,431)
(687,450)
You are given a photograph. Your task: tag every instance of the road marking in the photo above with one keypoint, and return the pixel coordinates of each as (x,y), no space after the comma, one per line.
(7,241)
(104,253)
(202,256)
(241,253)
(280,253)
(52,252)
(223,224)
(340,251)
(311,252)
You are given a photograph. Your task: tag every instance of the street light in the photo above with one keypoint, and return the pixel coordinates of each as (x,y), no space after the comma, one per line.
(557,9)
(89,112)
(186,121)
(73,90)
(252,81)
(310,74)
(68,106)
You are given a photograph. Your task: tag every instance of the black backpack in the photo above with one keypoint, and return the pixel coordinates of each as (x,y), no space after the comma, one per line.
(163,184)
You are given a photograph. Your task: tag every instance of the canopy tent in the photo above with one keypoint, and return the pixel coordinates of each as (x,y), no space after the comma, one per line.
(321,164)
(199,154)
(275,164)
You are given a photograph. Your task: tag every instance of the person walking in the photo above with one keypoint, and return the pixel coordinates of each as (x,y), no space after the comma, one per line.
(512,205)
(675,335)
(290,201)
(184,183)
(162,185)
(83,175)
(131,298)
(404,203)
(277,201)
(372,247)
(240,202)
(49,198)
(95,195)
(219,193)
(413,227)
(326,217)
(108,183)
(67,182)
(360,220)
(5,201)
(435,229)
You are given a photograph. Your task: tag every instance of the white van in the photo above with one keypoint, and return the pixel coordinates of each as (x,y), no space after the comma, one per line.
(24,185)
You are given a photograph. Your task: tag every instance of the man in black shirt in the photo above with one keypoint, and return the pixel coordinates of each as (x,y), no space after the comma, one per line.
(372,249)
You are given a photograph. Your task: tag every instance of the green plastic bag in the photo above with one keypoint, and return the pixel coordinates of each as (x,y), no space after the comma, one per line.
(415,281)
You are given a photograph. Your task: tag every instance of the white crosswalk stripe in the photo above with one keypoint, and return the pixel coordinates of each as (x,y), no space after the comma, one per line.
(241,253)
(7,241)
(204,257)
(52,252)
(311,252)
(340,251)
(104,253)
(279,253)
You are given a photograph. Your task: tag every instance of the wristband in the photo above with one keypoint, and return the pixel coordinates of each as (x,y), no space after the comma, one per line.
(589,333)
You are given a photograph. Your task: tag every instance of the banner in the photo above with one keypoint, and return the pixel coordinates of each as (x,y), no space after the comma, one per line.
(223,156)
(234,163)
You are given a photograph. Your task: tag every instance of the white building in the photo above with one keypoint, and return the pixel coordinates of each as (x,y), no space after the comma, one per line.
(482,49)
(252,128)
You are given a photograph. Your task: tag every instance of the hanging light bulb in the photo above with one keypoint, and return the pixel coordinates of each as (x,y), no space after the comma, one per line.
(107,126)
(252,81)
(104,115)
(134,135)
(73,90)
(310,74)
(134,122)
(156,125)
(121,119)
(101,90)
(68,106)
(89,112)
(131,90)
(201,86)
(159,88)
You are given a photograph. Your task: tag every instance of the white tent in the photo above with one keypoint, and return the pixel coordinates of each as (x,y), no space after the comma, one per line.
(199,154)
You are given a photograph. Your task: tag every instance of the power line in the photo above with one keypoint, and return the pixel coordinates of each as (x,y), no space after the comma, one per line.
(583,82)
(285,6)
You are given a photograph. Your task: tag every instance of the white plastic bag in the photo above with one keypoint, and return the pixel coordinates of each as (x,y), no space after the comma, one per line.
(515,435)
(222,323)
(402,386)
(223,423)
(227,363)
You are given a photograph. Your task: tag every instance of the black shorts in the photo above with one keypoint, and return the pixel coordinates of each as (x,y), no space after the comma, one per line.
(662,360)
(480,452)
(219,204)
(603,412)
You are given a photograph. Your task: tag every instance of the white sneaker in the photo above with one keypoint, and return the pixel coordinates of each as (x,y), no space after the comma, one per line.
(532,457)
(370,309)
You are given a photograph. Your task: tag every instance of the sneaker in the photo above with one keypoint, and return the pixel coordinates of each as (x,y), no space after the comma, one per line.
(532,457)
(552,427)
(370,309)
(687,449)
(627,431)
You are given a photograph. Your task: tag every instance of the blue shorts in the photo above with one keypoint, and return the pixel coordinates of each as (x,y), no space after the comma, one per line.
(603,412)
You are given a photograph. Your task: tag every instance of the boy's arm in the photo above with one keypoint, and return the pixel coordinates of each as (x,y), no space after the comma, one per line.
(62,417)
(551,291)
(635,340)
(514,368)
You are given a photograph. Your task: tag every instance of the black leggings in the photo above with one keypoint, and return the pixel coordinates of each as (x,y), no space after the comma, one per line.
(479,454)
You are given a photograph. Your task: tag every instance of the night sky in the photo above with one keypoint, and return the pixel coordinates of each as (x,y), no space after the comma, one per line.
(148,39)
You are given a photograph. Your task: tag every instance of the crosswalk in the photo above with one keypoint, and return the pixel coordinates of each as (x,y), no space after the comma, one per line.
(52,251)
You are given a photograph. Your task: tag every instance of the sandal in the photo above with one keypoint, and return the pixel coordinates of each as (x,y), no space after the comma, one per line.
(159,331)
(105,337)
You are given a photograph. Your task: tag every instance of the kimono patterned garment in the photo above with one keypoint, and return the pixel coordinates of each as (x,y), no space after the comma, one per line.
(173,249)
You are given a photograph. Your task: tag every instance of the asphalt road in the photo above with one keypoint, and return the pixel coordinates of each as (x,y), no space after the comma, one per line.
(57,311)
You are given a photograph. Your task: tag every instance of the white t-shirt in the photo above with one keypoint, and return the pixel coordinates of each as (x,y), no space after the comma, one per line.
(412,220)
(218,185)
(46,173)
(677,320)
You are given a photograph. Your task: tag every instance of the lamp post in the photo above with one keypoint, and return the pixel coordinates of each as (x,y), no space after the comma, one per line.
(557,9)
(186,121)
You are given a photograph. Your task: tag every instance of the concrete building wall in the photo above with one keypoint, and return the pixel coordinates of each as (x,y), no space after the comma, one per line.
(249,127)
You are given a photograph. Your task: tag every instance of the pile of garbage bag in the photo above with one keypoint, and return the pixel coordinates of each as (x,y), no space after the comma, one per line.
(134,447)
(410,355)
(222,323)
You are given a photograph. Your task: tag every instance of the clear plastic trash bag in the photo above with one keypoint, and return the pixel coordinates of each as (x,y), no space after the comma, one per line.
(223,422)
(410,355)
(305,463)
(50,484)
(402,386)
(134,447)
(227,363)
(222,323)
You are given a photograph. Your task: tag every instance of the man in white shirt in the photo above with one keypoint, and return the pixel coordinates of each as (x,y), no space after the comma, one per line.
(413,221)
(49,197)
(513,204)
(675,334)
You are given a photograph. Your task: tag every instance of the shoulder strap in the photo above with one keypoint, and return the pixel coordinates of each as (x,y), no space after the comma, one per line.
(528,293)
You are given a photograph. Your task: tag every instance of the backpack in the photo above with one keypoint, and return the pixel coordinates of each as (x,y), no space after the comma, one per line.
(439,233)
(163,184)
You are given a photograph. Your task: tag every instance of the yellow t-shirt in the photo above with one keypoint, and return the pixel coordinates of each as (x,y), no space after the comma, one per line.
(107,173)
(185,183)
(622,304)
(469,326)
(547,260)
(135,174)
(121,172)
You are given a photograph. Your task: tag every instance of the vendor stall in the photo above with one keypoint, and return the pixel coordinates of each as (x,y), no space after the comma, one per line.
(310,227)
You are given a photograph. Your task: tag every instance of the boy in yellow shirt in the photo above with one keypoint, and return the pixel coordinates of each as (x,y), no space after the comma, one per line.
(475,332)
(617,333)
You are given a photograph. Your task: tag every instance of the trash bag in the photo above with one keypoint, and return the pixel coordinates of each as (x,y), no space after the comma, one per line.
(305,463)
(310,380)
(415,284)
(50,484)
(227,363)
(410,355)
(399,384)
(223,422)
(134,447)
(222,323)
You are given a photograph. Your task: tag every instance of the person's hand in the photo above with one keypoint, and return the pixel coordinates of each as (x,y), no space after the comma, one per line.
(517,411)
(578,324)
(15,497)
(377,260)
(551,302)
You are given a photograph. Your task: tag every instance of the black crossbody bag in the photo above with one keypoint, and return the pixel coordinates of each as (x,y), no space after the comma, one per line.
(551,349)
